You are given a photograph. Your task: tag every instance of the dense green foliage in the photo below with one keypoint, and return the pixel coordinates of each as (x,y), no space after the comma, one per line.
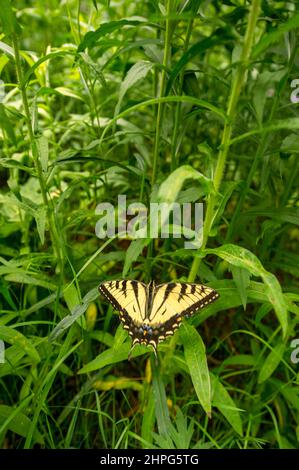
(175,100)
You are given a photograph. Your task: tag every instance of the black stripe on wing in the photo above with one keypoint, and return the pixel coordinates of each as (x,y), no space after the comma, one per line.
(106,293)
(208,299)
(168,290)
(121,286)
(183,293)
(107,287)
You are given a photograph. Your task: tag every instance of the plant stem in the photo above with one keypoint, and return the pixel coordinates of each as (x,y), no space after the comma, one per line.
(43,187)
(161,91)
(167,47)
(28,119)
(237,84)
(260,151)
(179,105)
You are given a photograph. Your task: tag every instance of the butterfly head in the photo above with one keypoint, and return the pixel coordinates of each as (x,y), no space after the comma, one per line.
(151,286)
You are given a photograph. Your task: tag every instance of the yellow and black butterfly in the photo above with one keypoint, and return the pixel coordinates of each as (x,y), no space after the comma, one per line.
(149,312)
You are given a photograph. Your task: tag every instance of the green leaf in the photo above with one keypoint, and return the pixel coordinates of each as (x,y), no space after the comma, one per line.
(166,99)
(95,4)
(240,257)
(182,432)
(228,188)
(43,151)
(240,360)
(77,311)
(112,356)
(290,394)
(91,295)
(271,362)
(148,418)
(12,336)
(92,37)
(71,297)
(226,405)
(120,337)
(10,163)
(40,219)
(289,123)
(262,85)
(275,296)
(13,359)
(31,70)
(68,92)
(275,35)
(171,187)
(242,278)
(261,313)
(138,71)
(5,292)
(135,249)
(281,214)
(243,258)
(290,144)
(102,336)
(7,49)
(6,125)
(160,400)
(23,278)
(17,422)
(194,51)
(196,359)
(8,18)
(117,383)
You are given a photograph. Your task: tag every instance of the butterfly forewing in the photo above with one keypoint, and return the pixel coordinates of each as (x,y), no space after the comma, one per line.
(180,299)
(128,297)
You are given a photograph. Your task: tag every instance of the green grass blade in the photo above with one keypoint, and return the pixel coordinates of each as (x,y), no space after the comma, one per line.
(226,405)
(15,420)
(243,258)
(271,362)
(196,359)
(14,337)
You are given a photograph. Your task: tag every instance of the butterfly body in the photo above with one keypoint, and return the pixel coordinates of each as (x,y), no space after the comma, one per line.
(151,313)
